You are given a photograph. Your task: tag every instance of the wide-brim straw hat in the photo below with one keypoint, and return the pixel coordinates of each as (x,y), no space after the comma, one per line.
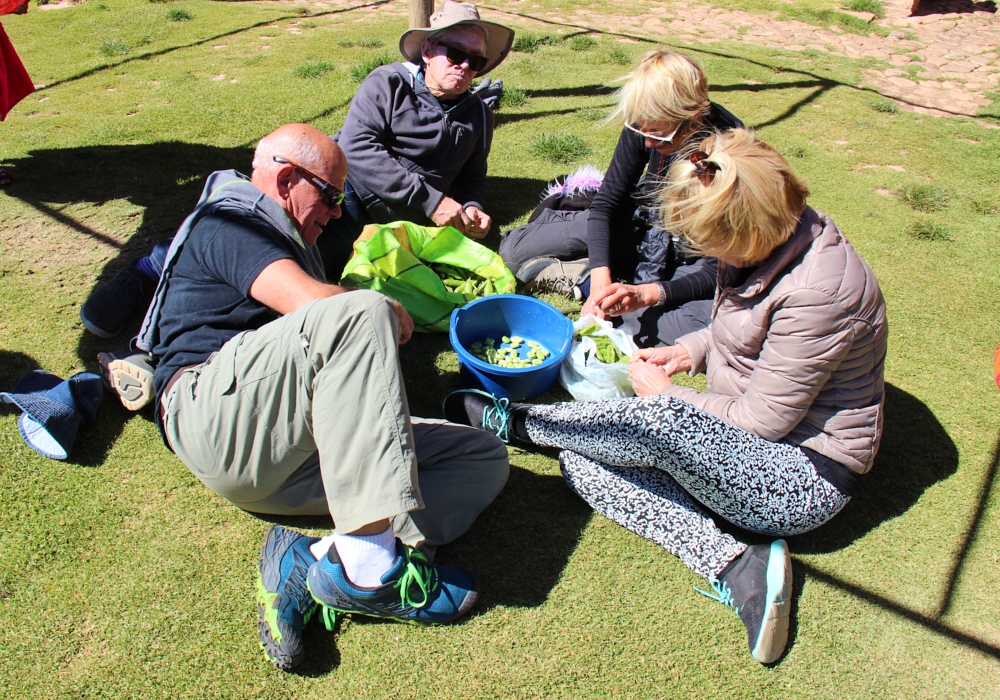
(452,14)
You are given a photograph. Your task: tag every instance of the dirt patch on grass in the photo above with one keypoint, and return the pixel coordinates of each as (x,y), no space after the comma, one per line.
(939,64)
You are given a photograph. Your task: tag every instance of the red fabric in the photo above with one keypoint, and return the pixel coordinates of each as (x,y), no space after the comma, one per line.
(8,6)
(14,81)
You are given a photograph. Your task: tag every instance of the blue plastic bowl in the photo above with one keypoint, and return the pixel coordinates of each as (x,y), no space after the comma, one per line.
(510,314)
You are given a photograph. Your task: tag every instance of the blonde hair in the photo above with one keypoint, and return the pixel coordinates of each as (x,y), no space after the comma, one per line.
(665,87)
(744,202)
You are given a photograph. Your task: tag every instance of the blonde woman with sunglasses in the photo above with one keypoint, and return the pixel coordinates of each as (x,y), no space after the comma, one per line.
(668,287)
(792,415)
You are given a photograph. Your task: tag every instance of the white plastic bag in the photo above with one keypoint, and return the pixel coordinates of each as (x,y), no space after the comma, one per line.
(586,377)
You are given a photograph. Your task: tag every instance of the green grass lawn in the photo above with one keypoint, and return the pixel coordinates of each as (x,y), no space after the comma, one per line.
(122,576)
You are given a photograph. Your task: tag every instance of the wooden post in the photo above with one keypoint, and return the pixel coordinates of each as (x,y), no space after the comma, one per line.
(420,13)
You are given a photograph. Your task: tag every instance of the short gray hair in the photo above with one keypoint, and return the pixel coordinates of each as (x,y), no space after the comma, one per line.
(300,151)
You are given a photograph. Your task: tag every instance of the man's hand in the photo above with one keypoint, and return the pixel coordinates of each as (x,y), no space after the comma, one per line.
(450,213)
(673,358)
(405,322)
(21,9)
(648,379)
(481,222)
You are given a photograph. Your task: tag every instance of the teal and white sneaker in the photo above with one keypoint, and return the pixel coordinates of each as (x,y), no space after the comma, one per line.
(758,586)
(284,605)
(413,590)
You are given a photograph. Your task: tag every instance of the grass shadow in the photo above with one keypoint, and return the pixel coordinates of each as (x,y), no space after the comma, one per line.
(322,654)
(506,118)
(49,180)
(95,441)
(509,199)
(520,545)
(200,42)
(916,452)
(580,91)
(13,366)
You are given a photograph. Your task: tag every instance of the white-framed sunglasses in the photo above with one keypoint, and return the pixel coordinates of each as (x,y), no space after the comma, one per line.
(669,138)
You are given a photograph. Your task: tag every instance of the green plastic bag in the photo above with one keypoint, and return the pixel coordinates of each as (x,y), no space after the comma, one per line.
(390,258)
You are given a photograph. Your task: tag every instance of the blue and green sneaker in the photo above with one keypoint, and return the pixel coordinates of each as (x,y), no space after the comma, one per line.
(413,590)
(758,586)
(283,601)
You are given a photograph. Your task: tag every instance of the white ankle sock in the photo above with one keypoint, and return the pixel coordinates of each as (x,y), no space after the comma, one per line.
(366,558)
(320,547)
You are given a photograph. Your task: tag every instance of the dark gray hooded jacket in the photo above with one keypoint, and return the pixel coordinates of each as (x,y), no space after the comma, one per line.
(407,150)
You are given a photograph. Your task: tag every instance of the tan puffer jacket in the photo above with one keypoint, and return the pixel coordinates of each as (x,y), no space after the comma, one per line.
(796,353)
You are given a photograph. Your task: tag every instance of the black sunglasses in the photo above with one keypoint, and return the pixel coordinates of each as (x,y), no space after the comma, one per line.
(457,57)
(332,197)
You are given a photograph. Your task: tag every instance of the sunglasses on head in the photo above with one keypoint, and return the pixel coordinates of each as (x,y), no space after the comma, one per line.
(704,169)
(457,57)
(332,197)
(664,138)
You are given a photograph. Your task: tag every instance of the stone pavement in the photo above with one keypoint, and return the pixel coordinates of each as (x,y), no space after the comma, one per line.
(942,61)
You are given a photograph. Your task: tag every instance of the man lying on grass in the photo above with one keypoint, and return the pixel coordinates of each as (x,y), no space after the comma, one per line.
(283,395)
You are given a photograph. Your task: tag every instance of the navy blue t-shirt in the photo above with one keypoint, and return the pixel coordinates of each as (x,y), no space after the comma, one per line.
(208,300)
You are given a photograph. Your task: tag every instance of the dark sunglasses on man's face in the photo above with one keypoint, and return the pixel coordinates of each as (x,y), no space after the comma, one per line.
(457,57)
(332,197)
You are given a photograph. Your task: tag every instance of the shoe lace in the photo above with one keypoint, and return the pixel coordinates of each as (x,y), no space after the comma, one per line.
(496,418)
(723,594)
(329,618)
(559,284)
(418,571)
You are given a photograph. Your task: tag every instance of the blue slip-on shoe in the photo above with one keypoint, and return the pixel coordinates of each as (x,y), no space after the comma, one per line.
(283,601)
(413,590)
(758,586)
(112,305)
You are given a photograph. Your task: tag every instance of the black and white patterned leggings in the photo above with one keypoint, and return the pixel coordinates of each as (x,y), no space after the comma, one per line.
(654,464)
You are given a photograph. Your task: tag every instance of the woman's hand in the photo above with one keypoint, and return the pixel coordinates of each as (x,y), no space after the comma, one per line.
(673,358)
(617,299)
(648,379)
(650,369)
(600,279)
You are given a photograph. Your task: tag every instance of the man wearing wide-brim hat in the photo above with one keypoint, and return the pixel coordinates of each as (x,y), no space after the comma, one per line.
(416,138)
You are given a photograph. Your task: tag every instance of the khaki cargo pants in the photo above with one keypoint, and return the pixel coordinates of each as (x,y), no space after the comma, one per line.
(308,415)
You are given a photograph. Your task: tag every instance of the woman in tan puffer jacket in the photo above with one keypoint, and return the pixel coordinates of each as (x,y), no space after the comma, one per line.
(792,414)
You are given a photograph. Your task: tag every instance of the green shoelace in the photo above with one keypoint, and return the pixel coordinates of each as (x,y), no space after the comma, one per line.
(418,571)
